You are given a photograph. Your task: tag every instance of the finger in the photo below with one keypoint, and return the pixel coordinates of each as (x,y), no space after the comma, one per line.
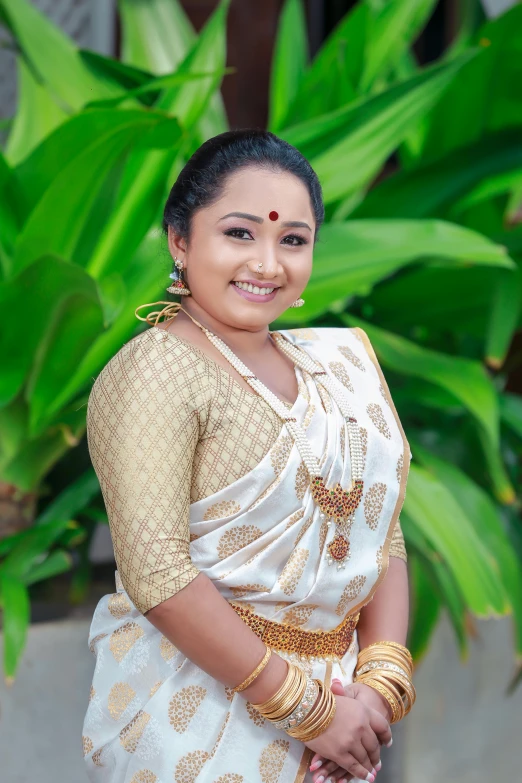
(355,769)
(372,746)
(337,774)
(381,727)
(359,753)
(316,762)
(324,771)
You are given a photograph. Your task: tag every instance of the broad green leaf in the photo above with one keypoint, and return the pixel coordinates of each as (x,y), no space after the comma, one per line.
(447,526)
(10,213)
(146,173)
(37,115)
(52,55)
(67,143)
(348,147)
(35,542)
(155,85)
(73,191)
(71,500)
(511,411)
(352,257)
(506,308)
(55,563)
(466,379)
(289,62)
(489,527)
(16,618)
(391,32)
(157,35)
(143,283)
(424,611)
(485,95)
(433,189)
(66,316)
(331,80)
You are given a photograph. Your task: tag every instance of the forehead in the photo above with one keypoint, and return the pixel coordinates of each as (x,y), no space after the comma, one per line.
(266,190)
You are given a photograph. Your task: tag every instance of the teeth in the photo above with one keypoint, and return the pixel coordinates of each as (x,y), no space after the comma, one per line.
(254,289)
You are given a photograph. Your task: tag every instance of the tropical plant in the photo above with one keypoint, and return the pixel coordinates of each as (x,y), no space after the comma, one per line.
(421,176)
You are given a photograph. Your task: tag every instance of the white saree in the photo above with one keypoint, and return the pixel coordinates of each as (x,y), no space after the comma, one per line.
(153,715)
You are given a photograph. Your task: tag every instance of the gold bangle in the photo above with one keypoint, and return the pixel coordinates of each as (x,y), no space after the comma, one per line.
(395,704)
(394,645)
(250,679)
(323,716)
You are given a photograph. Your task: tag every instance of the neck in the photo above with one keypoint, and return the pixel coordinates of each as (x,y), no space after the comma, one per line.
(245,342)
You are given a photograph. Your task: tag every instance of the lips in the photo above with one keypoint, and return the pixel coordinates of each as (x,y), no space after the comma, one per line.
(251,297)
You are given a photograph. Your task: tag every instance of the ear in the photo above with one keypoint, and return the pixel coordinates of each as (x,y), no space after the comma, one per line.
(177,244)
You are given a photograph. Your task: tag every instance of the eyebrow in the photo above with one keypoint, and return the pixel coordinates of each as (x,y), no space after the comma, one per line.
(256,219)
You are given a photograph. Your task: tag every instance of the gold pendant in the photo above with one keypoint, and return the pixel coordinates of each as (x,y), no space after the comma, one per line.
(337,502)
(338,551)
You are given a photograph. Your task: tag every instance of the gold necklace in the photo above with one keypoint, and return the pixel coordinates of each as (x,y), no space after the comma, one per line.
(336,503)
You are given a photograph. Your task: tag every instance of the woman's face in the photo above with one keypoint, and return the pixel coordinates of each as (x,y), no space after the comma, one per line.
(236,233)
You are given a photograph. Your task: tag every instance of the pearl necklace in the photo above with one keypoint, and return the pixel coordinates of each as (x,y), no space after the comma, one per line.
(336,504)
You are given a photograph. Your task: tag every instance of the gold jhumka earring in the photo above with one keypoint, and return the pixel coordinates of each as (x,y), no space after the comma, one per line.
(179,285)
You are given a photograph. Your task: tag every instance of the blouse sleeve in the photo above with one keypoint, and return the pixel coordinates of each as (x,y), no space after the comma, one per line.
(146,411)
(397,545)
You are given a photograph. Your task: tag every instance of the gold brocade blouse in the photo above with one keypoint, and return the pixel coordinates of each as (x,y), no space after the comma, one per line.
(167,426)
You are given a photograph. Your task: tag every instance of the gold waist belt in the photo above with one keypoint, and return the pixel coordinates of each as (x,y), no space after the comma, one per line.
(291,639)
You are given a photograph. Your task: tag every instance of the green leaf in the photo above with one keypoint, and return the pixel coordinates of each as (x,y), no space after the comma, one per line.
(348,147)
(425,609)
(391,32)
(331,80)
(37,116)
(66,317)
(466,379)
(16,618)
(485,95)
(73,191)
(289,62)
(488,525)
(157,36)
(55,563)
(448,527)
(511,411)
(505,313)
(431,189)
(52,56)
(143,284)
(73,499)
(352,257)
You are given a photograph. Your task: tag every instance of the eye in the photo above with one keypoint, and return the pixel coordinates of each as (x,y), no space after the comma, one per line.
(300,240)
(233,232)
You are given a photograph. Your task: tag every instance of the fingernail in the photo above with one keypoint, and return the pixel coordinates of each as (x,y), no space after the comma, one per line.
(315,765)
(374,771)
(369,777)
(344,780)
(390,743)
(320,779)
(379,765)
(337,680)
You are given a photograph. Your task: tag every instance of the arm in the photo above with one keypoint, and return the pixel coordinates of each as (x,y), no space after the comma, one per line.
(146,413)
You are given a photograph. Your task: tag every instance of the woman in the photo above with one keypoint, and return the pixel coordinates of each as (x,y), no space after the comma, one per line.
(253,482)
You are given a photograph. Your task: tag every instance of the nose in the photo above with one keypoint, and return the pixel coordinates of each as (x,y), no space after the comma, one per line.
(271,266)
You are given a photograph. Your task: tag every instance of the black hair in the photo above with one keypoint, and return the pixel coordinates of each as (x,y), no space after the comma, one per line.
(203,178)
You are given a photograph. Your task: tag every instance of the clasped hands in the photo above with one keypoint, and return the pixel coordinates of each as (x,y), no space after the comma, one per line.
(362,714)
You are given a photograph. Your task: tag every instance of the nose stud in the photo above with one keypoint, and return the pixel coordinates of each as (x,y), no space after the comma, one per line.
(259,266)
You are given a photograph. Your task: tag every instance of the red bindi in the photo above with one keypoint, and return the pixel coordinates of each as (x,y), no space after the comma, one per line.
(273,215)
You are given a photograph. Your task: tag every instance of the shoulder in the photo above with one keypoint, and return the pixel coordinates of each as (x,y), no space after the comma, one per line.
(153,365)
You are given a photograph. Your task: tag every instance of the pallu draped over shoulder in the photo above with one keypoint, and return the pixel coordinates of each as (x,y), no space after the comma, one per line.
(200,475)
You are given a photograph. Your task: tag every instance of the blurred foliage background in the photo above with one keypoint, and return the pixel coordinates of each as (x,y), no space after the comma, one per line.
(421,168)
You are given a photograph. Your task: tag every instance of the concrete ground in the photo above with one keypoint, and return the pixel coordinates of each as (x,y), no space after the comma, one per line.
(463,729)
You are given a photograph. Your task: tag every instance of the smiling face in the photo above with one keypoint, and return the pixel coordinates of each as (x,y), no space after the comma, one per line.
(237,232)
